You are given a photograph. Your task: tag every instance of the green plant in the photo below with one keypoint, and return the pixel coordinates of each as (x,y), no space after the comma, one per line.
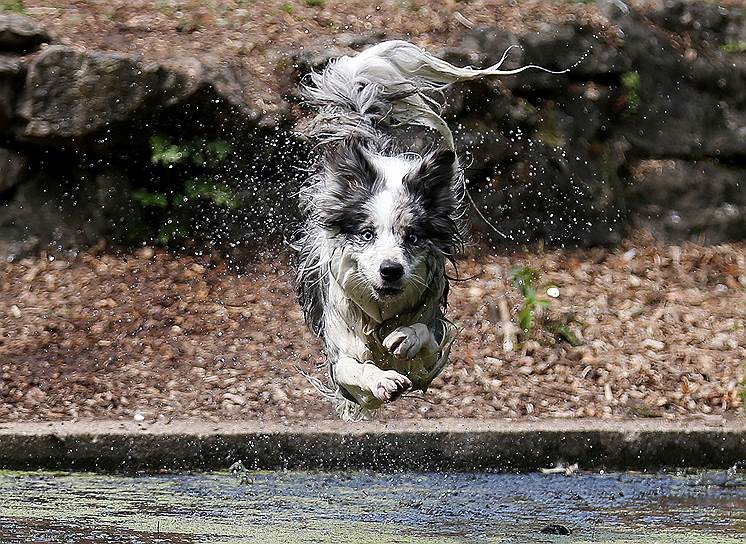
(525,279)
(202,152)
(631,86)
(218,193)
(561,329)
(198,162)
(162,151)
(12,5)
(734,47)
(287,7)
(170,232)
(146,198)
(315,3)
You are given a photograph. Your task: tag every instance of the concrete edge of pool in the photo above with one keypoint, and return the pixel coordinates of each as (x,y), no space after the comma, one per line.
(444,444)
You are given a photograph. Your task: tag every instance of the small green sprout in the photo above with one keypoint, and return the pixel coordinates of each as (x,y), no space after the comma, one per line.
(525,279)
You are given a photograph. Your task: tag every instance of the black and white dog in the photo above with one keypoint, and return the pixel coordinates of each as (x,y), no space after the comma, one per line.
(380,223)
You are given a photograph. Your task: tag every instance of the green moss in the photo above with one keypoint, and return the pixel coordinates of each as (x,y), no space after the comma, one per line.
(547,131)
(15,6)
(733,47)
(315,3)
(631,86)
(287,7)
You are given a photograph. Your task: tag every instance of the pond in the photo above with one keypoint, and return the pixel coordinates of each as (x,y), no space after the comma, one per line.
(358,507)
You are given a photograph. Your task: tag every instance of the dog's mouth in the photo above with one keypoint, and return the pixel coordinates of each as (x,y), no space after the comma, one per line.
(387,291)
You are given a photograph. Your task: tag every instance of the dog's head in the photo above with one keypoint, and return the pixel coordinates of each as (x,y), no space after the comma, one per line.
(395,218)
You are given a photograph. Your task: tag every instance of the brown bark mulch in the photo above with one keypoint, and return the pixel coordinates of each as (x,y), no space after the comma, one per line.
(660,331)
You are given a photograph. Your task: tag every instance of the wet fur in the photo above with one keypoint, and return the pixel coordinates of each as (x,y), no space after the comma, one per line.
(380,345)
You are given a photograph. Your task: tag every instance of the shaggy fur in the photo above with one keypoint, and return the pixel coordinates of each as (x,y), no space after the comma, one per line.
(380,224)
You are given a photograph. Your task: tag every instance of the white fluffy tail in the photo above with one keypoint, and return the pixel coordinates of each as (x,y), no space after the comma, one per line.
(395,82)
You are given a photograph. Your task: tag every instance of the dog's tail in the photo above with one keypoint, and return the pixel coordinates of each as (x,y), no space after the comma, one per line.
(393,83)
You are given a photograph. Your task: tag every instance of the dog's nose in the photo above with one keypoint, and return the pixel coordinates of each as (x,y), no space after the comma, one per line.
(391,270)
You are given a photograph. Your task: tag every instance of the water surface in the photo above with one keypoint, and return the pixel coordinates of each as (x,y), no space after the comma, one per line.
(367,507)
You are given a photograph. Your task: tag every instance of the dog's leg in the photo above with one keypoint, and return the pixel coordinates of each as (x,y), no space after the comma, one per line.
(412,341)
(370,385)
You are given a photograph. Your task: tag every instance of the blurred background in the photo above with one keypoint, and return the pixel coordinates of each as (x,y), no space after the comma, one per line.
(151,151)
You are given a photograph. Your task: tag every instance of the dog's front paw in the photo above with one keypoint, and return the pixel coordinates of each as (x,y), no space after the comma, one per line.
(407,342)
(389,384)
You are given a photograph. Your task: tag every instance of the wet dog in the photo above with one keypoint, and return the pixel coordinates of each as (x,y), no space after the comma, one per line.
(381,222)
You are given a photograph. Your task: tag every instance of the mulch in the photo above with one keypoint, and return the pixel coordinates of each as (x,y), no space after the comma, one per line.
(659,331)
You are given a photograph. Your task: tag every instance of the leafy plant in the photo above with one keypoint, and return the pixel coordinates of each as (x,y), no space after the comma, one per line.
(146,198)
(162,151)
(218,193)
(170,232)
(197,160)
(201,152)
(525,279)
(315,3)
(561,329)
(287,7)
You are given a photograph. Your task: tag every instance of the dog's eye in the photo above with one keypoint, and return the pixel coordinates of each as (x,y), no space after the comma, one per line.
(366,235)
(411,238)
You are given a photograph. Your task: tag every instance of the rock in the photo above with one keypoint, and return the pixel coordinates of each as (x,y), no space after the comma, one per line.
(490,44)
(66,207)
(679,108)
(71,93)
(709,25)
(12,167)
(556,529)
(12,75)
(582,50)
(19,34)
(680,200)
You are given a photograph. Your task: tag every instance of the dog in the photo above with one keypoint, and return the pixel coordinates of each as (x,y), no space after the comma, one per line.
(380,223)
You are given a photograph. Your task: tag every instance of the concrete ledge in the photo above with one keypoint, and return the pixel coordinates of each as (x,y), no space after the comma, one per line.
(451,444)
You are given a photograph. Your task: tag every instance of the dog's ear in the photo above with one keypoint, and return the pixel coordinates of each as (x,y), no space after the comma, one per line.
(432,182)
(349,165)
(351,180)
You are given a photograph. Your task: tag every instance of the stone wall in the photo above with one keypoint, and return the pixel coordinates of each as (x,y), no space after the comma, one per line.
(648,129)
